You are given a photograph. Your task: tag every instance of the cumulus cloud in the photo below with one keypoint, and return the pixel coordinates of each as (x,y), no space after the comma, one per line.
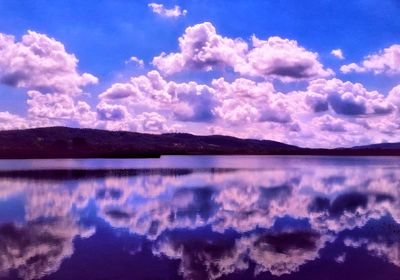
(336,112)
(39,62)
(329,112)
(106,111)
(352,67)
(136,60)
(152,93)
(245,101)
(329,123)
(337,53)
(119,91)
(345,98)
(237,112)
(51,105)
(394,96)
(152,122)
(386,61)
(282,59)
(174,12)
(202,48)
(11,121)
(57,109)
(113,116)
(42,65)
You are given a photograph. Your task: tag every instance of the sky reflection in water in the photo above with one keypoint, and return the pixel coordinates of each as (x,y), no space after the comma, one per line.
(274,218)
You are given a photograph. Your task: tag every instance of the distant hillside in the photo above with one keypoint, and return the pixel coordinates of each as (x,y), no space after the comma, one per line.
(63,142)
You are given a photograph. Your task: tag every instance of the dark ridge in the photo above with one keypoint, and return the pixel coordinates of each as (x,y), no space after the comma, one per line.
(64,142)
(73,174)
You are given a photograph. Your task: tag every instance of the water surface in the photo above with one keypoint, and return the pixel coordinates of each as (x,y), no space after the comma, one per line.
(203,217)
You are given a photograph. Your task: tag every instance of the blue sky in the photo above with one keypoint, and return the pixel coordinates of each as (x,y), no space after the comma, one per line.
(103,35)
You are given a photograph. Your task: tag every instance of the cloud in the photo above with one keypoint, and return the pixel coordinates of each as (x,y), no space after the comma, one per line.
(386,61)
(201,48)
(328,123)
(236,112)
(329,112)
(352,67)
(57,108)
(41,63)
(152,122)
(151,92)
(112,112)
(282,59)
(51,106)
(119,91)
(160,9)
(394,96)
(11,121)
(136,60)
(345,98)
(337,53)
(114,116)
(245,101)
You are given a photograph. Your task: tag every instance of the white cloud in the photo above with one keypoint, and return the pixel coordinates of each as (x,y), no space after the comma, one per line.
(337,53)
(282,59)
(237,112)
(160,9)
(152,122)
(151,92)
(394,96)
(386,61)
(329,123)
(111,112)
(136,60)
(43,66)
(352,67)
(41,63)
(11,121)
(57,109)
(201,48)
(329,112)
(345,98)
(51,106)
(120,91)
(245,101)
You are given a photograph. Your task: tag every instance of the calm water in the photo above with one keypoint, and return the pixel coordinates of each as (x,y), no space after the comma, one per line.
(222,218)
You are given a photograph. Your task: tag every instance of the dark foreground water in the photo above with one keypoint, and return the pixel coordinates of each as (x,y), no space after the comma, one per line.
(201,218)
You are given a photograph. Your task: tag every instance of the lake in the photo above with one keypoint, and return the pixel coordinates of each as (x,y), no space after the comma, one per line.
(201,217)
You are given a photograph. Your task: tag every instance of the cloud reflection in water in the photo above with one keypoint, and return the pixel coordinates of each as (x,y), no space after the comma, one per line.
(273,220)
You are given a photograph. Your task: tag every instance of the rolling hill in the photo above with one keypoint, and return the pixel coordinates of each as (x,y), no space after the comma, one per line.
(64,142)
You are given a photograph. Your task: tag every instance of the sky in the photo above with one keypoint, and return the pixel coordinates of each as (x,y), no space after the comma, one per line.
(311,73)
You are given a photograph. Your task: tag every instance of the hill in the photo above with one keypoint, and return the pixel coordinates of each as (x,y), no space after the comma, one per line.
(64,142)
